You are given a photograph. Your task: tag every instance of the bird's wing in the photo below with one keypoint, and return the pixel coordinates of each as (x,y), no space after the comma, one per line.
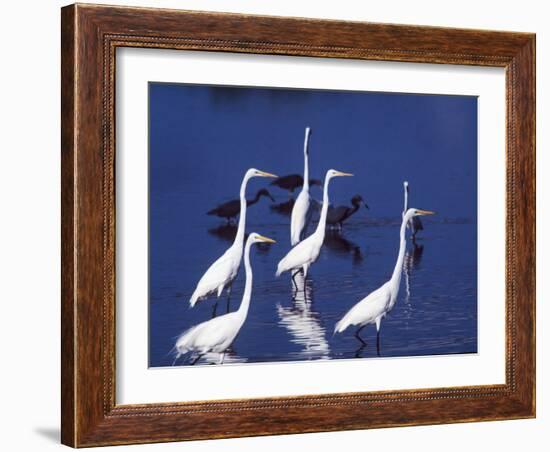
(336,214)
(304,253)
(208,335)
(219,273)
(366,310)
(299,216)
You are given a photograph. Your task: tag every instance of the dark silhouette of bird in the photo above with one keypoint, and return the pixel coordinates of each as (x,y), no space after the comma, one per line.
(230,209)
(415,224)
(337,215)
(292,182)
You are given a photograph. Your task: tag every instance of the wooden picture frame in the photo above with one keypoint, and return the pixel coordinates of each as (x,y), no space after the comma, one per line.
(90,36)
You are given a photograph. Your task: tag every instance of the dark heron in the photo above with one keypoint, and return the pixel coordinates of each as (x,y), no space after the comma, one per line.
(415,224)
(337,215)
(230,209)
(292,182)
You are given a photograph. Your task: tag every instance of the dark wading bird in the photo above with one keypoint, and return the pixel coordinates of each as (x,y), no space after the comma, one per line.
(337,215)
(230,209)
(292,182)
(415,224)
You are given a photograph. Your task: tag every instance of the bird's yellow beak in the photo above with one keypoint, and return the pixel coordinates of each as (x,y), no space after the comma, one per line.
(340,173)
(425,212)
(264,174)
(265,239)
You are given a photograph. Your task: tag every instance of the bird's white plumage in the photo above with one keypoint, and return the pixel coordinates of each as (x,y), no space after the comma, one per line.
(224,270)
(219,275)
(307,251)
(300,211)
(373,306)
(217,334)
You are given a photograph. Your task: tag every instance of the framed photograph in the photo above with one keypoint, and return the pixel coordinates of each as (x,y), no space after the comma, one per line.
(282,225)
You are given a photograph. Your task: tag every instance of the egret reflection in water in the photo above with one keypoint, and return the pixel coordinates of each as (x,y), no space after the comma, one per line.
(340,245)
(303,323)
(413,256)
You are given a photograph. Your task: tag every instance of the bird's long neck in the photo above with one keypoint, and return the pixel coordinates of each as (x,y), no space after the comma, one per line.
(353,209)
(306,162)
(324,210)
(245,303)
(396,276)
(239,238)
(249,202)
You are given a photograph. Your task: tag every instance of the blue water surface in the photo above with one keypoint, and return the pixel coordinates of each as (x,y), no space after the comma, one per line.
(202,141)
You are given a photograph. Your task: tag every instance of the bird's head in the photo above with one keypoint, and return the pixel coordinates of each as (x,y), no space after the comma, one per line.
(413,212)
(357,200)
(335,173)
(264,192)
(257,238)
(406,186)
(253,172)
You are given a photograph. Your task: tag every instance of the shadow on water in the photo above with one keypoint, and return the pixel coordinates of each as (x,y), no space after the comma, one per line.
(303,323)
(283,208)
(225,232)
(338,244)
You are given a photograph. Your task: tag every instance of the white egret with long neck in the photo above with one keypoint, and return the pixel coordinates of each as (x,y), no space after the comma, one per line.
(378,303)
(300,210)
(307,251)
(217,334)
(415,224)
(224,270)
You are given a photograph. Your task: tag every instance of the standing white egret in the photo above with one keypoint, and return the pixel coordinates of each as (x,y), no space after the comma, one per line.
(415,224)
(307,251)
(223,271)
(217,334)
(301,209)
(378,303)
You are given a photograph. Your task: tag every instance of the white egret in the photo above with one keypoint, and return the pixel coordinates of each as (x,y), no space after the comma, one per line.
(217,334)
(307,251)
(378,303)
(415,224)
(223,271)
(301,210)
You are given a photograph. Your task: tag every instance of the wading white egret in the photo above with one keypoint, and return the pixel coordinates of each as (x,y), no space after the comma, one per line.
(301,210)
(378,303)
(307,251)
(217,334)
(223,271)
(415,224)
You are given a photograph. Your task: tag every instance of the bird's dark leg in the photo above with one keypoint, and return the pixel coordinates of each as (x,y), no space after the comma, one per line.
(192,363)
(214,309)
(359,337)
(294,281)
(359,350)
